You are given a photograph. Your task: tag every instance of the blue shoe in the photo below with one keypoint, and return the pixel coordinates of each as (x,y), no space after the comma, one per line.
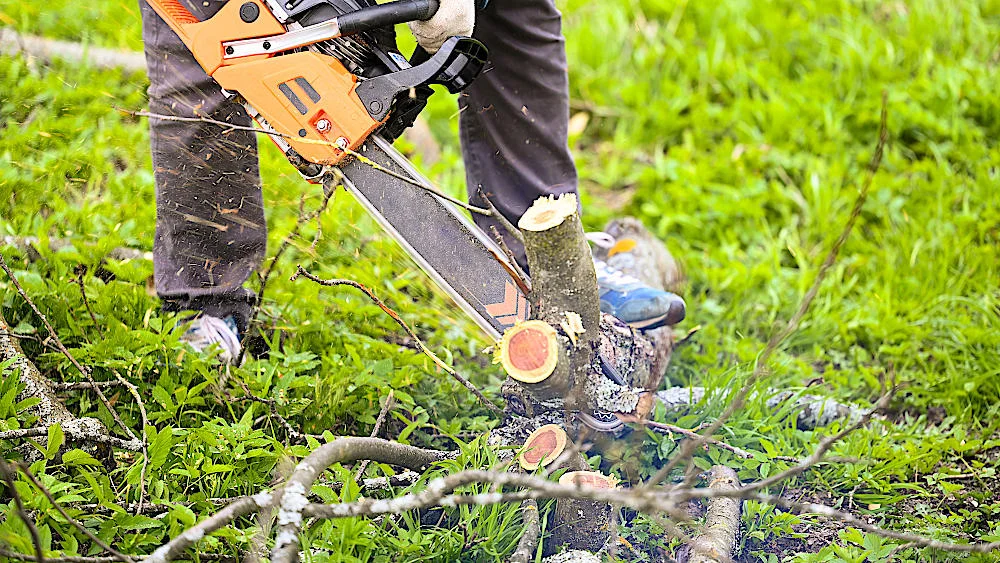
(635,303)
(206,331)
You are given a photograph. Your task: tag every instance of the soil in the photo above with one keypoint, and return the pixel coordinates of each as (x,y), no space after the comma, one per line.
(816,534)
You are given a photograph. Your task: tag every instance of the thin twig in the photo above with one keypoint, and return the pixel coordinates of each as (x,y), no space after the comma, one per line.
(328,190)
(672,429)
(62,348)
(390,401)
(100,543)
(86,302)
(134,391)
(520,276)
(7,474)
(501,218)
(395,316)
(402,177)
(273,406)
(362,158)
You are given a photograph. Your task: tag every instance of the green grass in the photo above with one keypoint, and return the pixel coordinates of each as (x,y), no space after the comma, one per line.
(738,131)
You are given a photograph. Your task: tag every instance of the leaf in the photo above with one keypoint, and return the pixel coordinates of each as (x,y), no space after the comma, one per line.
(160,447)
(56,439)
(209,467)
(133,522)
(79,457)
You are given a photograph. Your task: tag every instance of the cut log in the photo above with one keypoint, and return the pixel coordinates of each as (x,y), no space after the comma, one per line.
(562,269)
(542,447)
(563,292)
(581,523)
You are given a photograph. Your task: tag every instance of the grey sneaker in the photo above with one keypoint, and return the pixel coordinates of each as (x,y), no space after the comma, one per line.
(206,331)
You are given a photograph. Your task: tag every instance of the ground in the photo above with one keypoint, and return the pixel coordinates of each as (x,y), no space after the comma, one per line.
(738,131)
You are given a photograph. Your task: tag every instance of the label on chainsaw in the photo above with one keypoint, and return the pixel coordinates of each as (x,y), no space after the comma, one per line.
(446,245)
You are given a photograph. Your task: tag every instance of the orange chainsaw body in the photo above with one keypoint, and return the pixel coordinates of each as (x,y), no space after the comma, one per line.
(308,97)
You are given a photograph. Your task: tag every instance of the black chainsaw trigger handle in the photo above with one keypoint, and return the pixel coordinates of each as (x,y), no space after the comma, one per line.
(454,66)
(386,15)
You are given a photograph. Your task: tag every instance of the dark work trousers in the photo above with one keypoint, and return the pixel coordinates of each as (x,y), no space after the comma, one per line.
(210,228)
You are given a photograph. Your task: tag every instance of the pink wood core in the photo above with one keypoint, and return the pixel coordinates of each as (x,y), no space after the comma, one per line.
(541,446)
(528,349)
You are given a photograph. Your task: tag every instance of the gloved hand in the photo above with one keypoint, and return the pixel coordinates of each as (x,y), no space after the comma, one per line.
(454,17)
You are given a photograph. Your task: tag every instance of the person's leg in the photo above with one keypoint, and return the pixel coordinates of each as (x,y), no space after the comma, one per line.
(515,116)
(210,228)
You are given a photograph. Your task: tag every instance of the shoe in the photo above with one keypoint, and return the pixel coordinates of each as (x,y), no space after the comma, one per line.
(635,303)
(206,331)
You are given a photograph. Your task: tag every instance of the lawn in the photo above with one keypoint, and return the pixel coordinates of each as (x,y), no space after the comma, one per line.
(739,132)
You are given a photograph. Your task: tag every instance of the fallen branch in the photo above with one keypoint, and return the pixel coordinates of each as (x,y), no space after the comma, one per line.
(62,348)
(13,43)
(719,537)
(78,432)
(528,544)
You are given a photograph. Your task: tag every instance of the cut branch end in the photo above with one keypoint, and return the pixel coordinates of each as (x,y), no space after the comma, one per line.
(529,351)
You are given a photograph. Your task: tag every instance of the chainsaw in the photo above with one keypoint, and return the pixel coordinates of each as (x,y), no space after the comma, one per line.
(327,83)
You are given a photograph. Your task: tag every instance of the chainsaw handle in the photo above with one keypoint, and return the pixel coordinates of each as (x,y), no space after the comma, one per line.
(385,15)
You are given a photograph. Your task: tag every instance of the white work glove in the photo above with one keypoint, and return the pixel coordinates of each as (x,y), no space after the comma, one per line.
(454,17)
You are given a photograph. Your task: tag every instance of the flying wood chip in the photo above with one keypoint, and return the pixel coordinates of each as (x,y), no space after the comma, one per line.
(529,351)
(542,447)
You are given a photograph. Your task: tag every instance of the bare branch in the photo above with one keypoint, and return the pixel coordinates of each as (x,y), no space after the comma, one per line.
(390,401)
(72,434)
(342,450)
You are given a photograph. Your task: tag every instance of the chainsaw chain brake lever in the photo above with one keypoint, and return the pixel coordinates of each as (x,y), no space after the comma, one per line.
(455,65)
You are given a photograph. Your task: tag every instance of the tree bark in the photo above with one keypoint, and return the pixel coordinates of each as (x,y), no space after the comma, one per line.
(581,523)
(719,537)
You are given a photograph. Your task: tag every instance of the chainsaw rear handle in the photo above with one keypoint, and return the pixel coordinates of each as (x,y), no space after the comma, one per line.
(385,15)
